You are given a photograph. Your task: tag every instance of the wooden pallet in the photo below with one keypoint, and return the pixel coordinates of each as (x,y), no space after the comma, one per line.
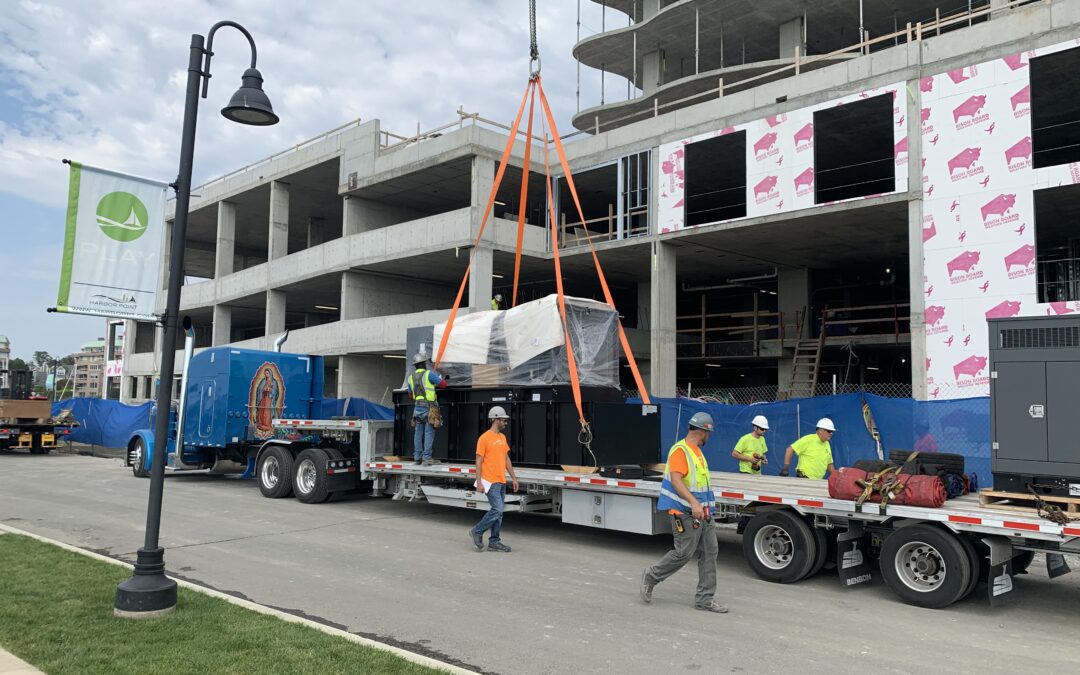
(1020,501)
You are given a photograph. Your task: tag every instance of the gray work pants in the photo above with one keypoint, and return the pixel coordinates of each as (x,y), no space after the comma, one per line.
(688,543)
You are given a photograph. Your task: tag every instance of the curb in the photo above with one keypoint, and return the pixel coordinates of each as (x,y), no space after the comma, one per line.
(261,609)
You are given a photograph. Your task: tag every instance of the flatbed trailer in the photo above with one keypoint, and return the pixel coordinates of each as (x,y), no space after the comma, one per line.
(791,528)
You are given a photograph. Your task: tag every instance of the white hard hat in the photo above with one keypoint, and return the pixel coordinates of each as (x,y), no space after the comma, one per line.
(826,424)
(760,422)
(419,358)
(497,413)
(498,296)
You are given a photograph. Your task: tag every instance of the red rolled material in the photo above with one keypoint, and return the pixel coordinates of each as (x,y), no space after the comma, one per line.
(918,490)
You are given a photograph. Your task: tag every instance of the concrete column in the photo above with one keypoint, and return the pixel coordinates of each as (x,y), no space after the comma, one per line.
(792,299)
(352,296)
(351,212)
(662,320)
(370,377)
(480,279)
(279,220)
(222,334)
(275,313)
(916,283)
(316,232)
(226,239)
(483,177)
(651,75)
(791,36)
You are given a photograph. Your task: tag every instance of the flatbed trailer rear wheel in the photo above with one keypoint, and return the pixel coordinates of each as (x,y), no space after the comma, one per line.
(927,566)
(309,476)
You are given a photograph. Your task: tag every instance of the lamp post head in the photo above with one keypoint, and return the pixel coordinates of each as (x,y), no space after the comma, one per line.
(250,105)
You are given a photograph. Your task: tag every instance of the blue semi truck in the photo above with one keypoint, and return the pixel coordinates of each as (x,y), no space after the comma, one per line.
(229,401)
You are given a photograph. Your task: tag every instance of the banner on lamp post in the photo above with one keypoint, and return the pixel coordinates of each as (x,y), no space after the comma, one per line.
(112,244)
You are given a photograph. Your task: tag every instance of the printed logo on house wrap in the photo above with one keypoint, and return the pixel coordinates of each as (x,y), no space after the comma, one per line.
(765,147)
(935,320)
(1004,309)
(999,211)
(970,112)
(929,227)
(927,128)
(961,269)
(901,148)
(804,182)
(970,372)
(1018,155)
(1021,102)
(804,138)
(765,190)
(1022,258)
(966,164)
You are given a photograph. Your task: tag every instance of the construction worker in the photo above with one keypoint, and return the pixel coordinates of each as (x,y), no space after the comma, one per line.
(751,448)
(687,497)
(492,465)
(814,451)
(426,415)
(496,302)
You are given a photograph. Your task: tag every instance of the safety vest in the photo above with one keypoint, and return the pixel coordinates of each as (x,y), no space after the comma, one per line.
(419,386)
(494,303)
(697,481)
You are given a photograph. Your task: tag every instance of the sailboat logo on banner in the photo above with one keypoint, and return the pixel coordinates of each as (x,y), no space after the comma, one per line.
(122,216)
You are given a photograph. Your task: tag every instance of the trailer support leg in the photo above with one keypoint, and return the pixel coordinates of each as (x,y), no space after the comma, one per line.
(250,470)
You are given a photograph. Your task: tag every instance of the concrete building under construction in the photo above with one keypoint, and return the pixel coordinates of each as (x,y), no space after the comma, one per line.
(783,194)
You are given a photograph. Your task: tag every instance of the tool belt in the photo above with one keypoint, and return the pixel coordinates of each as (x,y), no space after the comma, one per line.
(434,415)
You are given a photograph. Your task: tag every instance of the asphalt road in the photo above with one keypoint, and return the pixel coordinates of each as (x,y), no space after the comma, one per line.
(564,601)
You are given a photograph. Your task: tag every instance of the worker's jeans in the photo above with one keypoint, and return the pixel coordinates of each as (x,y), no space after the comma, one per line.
(423,437)
(688,543)
(492,520)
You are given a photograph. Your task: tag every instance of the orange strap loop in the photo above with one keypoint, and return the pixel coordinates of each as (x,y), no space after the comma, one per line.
(575,383)
(522,201)
(483,221)
(596,260)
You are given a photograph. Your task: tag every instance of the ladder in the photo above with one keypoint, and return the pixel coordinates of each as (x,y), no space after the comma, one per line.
(806,364)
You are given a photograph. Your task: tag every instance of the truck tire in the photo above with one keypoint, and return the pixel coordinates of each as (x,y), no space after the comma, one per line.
(925,566)
(779,546)
(137,458)
(975,556)
(1022,561)
(275,472)
(822,540)
(309,476)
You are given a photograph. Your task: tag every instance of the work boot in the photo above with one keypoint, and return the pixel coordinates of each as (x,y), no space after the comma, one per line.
(427,462)
(646,587)
(712,606)
(417,460)
(477,540)
(498,547)
(433,461)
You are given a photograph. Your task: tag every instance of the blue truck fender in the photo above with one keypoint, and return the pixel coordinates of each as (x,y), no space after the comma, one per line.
(294,447)
(147,438)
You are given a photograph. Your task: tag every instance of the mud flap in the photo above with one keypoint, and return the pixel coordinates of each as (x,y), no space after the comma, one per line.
(1056,565)
(852,560)
(1000,582)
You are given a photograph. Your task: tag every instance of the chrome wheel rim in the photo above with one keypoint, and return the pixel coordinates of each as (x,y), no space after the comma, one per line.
(137,456)
(271,471)
(305,476)
(920,567)
(774,547)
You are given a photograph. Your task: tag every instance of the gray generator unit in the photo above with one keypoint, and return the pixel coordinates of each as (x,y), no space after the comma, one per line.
(1035,404)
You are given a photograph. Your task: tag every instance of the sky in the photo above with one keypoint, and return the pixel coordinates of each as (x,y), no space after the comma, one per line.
(102,82)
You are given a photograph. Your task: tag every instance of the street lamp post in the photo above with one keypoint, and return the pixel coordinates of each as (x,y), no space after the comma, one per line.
(149,593)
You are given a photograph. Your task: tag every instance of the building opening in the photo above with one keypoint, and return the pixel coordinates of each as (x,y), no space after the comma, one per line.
(1057,244)
(853,150)
(1055,108)
(716,179)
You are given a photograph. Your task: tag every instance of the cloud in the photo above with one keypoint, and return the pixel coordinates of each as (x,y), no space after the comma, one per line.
(103,82)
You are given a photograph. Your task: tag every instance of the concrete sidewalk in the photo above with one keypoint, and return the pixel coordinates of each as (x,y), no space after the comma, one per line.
(13,665)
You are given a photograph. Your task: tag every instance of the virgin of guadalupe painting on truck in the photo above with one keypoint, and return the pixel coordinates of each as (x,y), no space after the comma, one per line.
(265,399)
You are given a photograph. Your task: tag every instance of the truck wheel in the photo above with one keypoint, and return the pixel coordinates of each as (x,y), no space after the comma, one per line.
(779,546)
(137,458)
(822,549)
(925,565)
(975,556)
(309,476)
(275,472)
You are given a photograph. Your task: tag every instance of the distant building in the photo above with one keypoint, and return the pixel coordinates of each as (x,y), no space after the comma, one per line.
(5,359)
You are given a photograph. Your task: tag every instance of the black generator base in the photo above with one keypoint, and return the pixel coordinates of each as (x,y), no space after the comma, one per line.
(544,428)
(1056,486)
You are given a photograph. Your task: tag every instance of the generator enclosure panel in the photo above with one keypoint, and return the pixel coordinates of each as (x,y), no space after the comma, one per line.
(1035,404)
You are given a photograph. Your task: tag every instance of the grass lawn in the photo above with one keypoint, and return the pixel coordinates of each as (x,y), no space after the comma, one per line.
(56,612)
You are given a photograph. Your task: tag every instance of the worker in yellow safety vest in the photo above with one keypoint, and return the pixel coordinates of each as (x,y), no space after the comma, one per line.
(496,302)
(687,497)
(751,448)
(426,416)
(814,451)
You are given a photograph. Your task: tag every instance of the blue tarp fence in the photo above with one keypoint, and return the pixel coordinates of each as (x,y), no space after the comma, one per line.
(958,426)
(111,423)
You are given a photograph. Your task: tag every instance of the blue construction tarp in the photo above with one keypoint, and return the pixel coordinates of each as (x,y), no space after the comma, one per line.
(959,426)
(106,423)
(357,407)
